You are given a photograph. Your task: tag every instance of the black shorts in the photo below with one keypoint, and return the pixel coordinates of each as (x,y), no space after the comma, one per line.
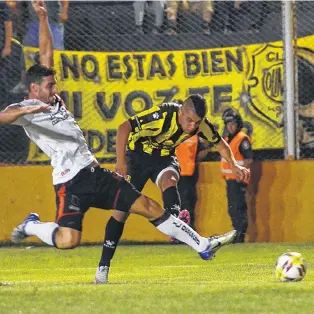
(142,167)
(95,187)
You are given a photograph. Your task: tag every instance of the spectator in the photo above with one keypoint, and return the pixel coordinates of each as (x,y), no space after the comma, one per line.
(14,63)
(19,14)
(58,15)
(188,153)
(205,8)
(6,31)
(11,63)
(240,16)
(251,15)
(226,16)
(139,11)
(240,144)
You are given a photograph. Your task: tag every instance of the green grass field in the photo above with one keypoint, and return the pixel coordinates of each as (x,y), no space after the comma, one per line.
(153,279)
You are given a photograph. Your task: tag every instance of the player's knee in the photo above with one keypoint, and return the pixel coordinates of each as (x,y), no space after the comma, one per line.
(147,207)
(68,239)
(167,182)
(67,243)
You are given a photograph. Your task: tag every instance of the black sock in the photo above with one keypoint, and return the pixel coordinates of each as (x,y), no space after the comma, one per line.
(172,201)
(113,233)
(161,219)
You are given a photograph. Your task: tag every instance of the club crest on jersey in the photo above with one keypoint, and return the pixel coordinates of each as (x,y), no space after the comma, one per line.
(156,115)
(59,114)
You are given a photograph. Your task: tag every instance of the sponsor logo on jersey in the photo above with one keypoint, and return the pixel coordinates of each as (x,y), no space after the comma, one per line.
(64,172)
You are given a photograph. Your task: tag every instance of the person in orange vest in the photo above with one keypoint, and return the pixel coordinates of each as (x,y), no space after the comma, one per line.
(189,153)
(241,146)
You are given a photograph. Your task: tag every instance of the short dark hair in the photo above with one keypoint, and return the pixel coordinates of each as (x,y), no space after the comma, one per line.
(37,73)
(199,104)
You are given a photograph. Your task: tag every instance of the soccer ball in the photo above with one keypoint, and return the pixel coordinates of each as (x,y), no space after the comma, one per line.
(290,266)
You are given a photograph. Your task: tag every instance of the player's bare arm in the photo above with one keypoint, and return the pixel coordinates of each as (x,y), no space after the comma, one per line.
(122,140)
(11,114)
(225,152)
(207,131)
(45,37)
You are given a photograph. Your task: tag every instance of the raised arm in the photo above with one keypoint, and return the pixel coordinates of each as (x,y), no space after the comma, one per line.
(45,37)
(12,113)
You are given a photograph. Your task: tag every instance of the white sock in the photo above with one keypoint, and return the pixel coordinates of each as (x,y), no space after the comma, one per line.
(42,230)
(178,229)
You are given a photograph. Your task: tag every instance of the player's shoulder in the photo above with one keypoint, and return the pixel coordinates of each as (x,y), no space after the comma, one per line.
(208,123)
(26,102)
(170,107)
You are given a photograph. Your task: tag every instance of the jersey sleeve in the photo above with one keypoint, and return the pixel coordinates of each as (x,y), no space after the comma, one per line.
(148,122)
(246,149)
(207,131)
(23,120)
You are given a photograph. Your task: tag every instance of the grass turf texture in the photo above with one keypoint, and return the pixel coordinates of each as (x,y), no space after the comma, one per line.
(153,279)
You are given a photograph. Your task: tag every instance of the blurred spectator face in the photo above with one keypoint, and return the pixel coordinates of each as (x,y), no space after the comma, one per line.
(188,120)
(232,127)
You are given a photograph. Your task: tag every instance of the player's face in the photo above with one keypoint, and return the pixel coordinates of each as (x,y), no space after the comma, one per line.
(47,89)
(188,120)
(232,127)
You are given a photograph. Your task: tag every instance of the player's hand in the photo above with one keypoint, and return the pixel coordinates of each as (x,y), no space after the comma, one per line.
(242,173)
(37,109)
(39,7)
(121,168)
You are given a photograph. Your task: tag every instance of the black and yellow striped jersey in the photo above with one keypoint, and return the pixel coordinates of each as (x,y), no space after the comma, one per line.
(156,131)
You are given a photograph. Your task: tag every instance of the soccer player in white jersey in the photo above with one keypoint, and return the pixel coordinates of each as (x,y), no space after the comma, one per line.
(78,179)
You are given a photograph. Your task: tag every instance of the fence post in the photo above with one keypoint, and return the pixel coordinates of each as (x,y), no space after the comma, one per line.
(289,80)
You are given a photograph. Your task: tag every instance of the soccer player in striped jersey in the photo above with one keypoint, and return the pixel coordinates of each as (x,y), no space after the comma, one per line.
(145,148)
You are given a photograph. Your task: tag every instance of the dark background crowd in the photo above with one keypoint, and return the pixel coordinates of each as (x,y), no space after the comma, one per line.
(144,26)
(95,25)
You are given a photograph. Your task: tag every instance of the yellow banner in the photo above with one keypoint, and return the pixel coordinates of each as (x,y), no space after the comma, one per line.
(103,89)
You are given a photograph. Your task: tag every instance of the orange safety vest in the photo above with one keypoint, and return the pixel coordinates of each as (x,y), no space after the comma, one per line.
(226,171)
(186,153)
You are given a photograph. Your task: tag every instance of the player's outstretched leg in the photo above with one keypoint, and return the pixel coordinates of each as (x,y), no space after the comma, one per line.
(174,227)
(31,225)
(184,215)
(18,233)
(215,243)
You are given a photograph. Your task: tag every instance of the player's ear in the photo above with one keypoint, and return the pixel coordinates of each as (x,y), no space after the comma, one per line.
(34,88)
(180,112)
